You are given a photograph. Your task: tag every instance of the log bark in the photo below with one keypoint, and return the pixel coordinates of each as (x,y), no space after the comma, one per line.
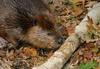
(81,29)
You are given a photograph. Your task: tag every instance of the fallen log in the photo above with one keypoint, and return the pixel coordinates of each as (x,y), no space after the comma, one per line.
(82,29)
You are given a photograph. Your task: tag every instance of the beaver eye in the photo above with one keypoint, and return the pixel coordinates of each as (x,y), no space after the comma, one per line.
(34,22)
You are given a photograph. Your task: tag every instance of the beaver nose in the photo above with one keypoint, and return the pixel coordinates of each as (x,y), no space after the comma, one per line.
(61,39)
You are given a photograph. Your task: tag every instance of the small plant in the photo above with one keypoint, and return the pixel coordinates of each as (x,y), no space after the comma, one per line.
(88,65)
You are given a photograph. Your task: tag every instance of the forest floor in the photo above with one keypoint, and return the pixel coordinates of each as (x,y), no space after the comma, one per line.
(69,13)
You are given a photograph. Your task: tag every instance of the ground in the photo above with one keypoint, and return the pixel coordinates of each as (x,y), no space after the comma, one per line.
(69,13)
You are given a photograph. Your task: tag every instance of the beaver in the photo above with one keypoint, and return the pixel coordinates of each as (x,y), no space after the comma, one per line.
(28,21)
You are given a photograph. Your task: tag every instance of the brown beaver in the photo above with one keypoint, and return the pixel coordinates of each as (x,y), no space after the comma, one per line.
(29,21)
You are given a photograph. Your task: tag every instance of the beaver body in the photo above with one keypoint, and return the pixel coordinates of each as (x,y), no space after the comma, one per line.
(29,21)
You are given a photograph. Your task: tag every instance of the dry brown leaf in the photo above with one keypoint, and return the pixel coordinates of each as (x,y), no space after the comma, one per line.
(79,1)
(11,55)
(77,11)
(70,30)
(29,51)
(90,24)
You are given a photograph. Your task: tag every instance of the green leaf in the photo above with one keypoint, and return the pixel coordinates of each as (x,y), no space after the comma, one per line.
(89,65)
